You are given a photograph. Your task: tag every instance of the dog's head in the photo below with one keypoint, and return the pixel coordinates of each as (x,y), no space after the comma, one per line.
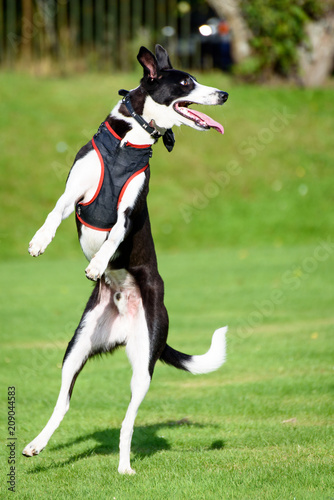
(170,92)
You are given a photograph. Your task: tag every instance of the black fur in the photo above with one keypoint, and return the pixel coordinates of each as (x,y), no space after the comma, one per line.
(137,97)
(169,87)
(173,357)
(84,151)
(160,80)
(121,127)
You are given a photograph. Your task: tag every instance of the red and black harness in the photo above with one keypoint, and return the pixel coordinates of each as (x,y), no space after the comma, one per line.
(119,165)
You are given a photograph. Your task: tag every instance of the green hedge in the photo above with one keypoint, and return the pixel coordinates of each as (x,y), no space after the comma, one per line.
(278,28)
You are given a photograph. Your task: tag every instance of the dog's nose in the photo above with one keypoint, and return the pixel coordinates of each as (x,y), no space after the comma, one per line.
(223,96)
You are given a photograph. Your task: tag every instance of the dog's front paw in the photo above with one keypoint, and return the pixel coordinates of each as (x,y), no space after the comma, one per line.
(95,269)
(39,243)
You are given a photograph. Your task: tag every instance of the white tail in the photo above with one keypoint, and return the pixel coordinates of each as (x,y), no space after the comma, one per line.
(204,363)
(211,360)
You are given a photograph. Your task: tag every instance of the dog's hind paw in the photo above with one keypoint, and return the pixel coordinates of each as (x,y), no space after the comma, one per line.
(31,450)
(126,470)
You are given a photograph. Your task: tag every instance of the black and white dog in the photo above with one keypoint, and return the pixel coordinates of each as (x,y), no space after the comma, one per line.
(107,187)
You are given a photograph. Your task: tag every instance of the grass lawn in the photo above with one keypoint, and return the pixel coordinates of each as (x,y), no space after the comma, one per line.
(244,232)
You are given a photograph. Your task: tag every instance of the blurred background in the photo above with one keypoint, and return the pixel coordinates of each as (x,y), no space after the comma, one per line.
(254,39)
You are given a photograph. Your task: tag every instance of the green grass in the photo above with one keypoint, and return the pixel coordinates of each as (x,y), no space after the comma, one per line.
(233,443)
(255,254)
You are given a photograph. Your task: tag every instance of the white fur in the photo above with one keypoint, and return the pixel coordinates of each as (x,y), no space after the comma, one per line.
(202,94)
(137,349)
(213,359)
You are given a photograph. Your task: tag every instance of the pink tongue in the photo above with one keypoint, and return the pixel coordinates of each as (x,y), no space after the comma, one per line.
(209,121)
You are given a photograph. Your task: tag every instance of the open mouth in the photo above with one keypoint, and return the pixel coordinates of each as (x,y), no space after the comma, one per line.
(200,119)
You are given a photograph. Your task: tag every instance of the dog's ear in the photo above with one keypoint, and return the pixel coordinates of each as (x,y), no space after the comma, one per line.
(149,62)
(162,58)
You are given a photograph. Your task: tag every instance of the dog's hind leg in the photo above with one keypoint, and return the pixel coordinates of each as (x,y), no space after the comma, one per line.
(92,336)
(144,345)
(137,350)
(73,363)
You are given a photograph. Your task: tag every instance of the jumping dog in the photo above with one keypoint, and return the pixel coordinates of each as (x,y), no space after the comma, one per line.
(107,188)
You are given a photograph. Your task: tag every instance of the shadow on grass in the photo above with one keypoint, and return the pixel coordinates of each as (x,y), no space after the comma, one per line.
(145,442)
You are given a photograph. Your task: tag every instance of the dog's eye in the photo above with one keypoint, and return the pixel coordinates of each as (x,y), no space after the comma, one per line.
(185,82)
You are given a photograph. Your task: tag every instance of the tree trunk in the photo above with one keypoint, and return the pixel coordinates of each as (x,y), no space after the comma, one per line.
(316,57)
(230,10)
(27,29)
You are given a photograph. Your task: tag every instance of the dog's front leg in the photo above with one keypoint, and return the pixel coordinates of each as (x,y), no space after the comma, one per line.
(43,237)
(99,262)
(80,180)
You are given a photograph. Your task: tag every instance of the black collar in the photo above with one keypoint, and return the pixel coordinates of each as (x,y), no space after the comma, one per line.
(155,132)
